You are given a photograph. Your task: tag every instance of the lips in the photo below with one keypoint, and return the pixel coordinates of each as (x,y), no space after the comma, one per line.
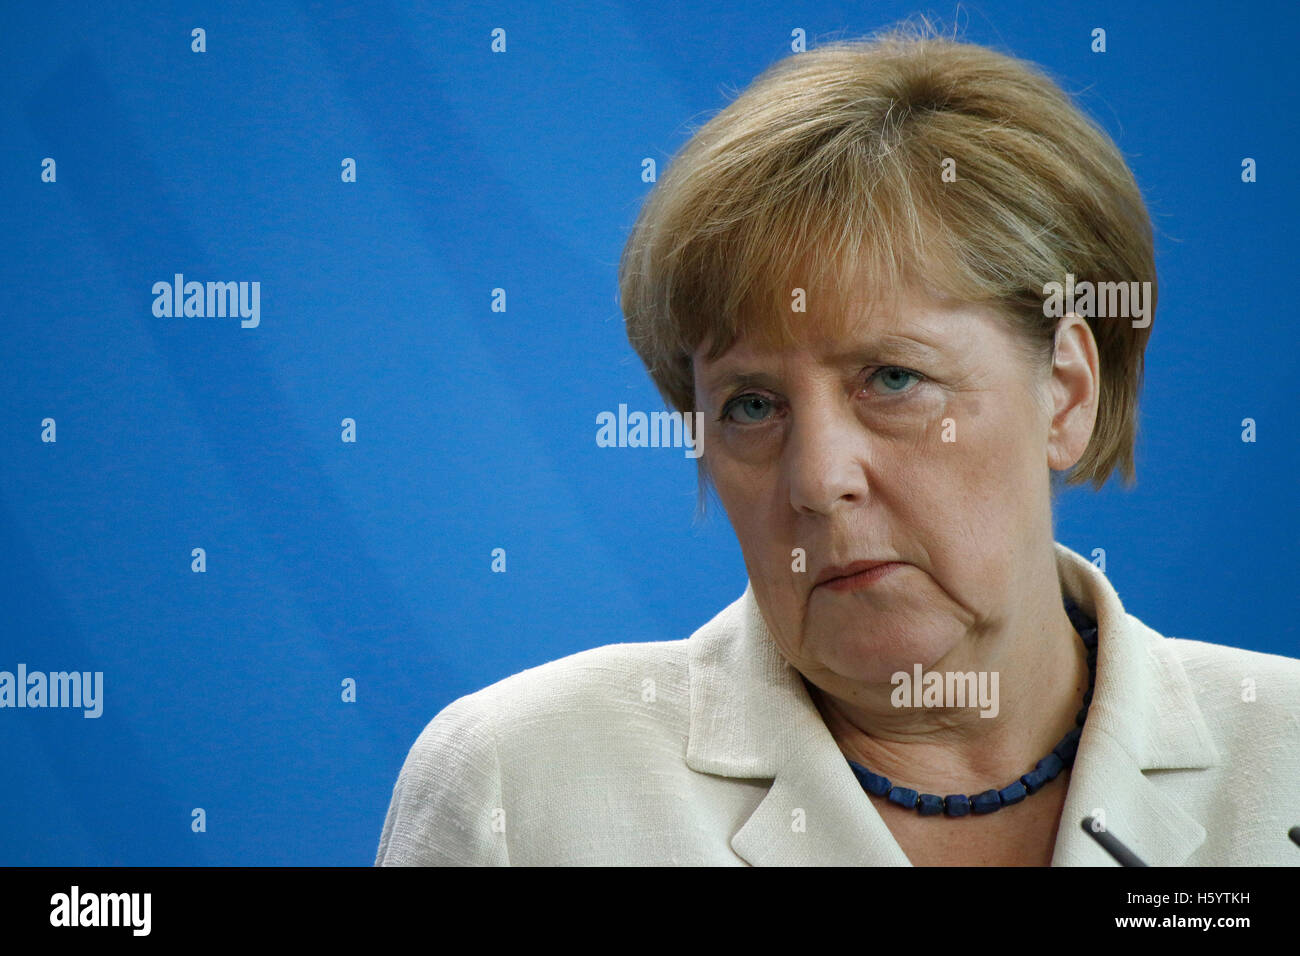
(836,571)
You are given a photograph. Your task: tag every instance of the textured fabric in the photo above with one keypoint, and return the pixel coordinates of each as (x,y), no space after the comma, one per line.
(710,751)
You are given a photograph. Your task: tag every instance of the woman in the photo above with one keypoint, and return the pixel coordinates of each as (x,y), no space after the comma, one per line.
(850,272)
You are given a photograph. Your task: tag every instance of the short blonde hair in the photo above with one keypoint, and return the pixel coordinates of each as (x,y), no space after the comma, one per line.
(830,163)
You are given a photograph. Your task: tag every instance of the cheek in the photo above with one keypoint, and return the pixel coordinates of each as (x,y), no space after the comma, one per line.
(976,497)
(1006,453)
(763,524)
(765,534)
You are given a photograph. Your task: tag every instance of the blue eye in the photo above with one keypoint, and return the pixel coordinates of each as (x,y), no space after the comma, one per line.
(753,409)
(895,379)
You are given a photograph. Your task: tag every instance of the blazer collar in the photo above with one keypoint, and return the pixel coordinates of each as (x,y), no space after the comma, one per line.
(751,716)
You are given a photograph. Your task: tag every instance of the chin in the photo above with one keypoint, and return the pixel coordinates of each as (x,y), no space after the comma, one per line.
(873,653)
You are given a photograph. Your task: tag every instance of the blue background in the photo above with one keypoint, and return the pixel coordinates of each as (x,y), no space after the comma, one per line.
(476,429)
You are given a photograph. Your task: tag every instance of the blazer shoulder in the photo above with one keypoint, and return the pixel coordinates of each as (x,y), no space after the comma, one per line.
(450,785)
(441,806)
(1208,660)
(594,680)
(1235,686)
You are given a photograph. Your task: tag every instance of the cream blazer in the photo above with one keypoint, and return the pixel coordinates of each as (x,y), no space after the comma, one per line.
(710,751)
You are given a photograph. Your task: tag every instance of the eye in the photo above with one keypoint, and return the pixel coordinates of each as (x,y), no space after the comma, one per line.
(747,410)
(894,379)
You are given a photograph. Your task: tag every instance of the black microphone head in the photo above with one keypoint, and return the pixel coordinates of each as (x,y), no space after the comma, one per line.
(1110,843)
(1294,834)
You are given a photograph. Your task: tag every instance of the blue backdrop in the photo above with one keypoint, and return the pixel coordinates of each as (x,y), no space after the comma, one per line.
(328,560)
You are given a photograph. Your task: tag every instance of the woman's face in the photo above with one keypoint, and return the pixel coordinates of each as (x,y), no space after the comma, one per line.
(919,436)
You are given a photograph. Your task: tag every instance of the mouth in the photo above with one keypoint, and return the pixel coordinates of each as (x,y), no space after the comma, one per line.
(850,577)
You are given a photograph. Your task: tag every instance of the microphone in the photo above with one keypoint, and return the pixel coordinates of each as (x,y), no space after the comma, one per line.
(1122,854)
(1294,834)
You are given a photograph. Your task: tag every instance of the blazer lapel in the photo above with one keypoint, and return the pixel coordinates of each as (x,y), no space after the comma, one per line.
(752,716)
(1109,785)
(1143,719)
(816,814)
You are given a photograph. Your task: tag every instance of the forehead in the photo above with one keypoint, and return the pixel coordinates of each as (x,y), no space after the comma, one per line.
(911,322)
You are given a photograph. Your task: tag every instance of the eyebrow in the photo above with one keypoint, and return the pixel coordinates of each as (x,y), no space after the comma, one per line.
(884,350)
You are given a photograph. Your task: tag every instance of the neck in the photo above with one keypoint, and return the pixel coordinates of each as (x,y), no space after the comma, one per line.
(1042,677)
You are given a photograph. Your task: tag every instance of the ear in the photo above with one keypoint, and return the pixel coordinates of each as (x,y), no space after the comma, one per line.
(1074,390)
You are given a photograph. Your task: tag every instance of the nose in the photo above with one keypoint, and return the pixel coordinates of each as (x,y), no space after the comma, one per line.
(826,458)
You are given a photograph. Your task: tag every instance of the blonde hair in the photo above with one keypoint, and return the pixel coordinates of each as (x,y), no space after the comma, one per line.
(830,162)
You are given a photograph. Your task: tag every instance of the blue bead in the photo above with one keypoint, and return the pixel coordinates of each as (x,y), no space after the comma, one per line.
(956,804)
(1090,638)
(1051,765)
(1012,793)
(871,782)
(929,804)
(904,797)
(986,802)
(1035,780)
(1068,746)
(1080,619)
